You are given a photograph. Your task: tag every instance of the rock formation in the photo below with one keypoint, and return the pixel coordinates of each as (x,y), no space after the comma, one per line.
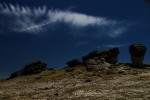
(74,62)
(32,68)
(137,52)
(97,59)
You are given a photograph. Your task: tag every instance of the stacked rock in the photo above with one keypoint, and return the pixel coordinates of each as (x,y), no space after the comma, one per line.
(97,60)
(96,57)
(111,55)
(137,52)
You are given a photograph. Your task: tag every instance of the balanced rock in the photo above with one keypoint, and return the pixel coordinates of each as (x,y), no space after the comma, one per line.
(97,59)
(32,68)
(137,52)
(74,62)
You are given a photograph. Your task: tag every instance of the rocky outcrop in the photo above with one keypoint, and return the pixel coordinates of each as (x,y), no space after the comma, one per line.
(32,68)
(74,62)
(97,59)
(137,52)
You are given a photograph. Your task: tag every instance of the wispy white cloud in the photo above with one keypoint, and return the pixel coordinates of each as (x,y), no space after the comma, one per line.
(34,20)
(78,19)
(22,19)
(117,31)
(114,45)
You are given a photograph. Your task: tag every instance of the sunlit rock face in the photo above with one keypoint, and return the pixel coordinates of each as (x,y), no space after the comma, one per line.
(98,59)
(137,52)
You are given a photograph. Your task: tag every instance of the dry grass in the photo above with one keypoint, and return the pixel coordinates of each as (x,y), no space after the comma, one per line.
(116,83)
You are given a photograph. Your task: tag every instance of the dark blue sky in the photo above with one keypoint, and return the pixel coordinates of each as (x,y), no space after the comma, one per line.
(67,29)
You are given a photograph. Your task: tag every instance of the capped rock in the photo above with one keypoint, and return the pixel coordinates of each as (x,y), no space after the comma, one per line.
(137,50)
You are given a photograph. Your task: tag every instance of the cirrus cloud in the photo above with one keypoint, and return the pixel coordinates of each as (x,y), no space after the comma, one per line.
(24,19)
(113,45)
(78,19)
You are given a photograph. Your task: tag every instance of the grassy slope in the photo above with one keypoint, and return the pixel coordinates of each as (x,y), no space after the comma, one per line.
(116,82)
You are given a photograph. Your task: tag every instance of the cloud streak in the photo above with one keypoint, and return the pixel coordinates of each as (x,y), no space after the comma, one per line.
(23,19)
(114,45)
(78,19)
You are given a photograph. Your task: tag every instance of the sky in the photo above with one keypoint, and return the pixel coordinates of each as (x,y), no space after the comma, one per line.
(55,31)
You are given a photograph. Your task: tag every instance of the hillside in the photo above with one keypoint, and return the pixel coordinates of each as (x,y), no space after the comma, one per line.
(98,76)
(116,82)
